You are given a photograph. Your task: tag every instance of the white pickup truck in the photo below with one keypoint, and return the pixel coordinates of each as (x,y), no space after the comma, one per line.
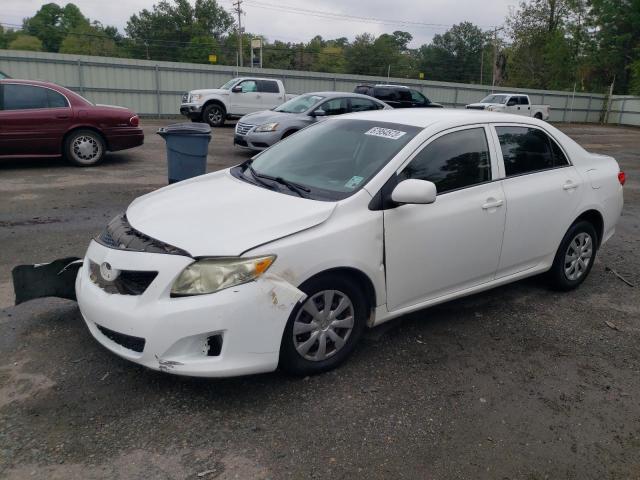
(511,103)
(234,99)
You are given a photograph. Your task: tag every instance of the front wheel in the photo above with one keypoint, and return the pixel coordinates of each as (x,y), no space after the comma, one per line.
(84,148)
(214,115)
(324,330)
(575,257)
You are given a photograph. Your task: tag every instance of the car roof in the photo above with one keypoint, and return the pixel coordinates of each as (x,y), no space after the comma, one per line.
(41,83)
(425,117)
(383,85)
(333,94)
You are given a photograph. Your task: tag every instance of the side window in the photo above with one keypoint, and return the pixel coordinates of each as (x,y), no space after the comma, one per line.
(384,94)
(268,86)
(56,100)
(559,158)
(416,96)
(337,106)
(455,160)
(24,97)
(524,100)
(362,104)
(524,150)
(404,95)
(512,101)
(249,86)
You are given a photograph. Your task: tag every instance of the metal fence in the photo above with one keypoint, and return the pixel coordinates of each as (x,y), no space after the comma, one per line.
(154,88)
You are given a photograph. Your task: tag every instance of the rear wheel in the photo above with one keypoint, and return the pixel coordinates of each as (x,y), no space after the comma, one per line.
(214,115)
(538,116)
(575,256)
(84,148)
(324,330)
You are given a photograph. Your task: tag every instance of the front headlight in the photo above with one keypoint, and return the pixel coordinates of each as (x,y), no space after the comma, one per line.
(267,127)
(195,97)
(213,274)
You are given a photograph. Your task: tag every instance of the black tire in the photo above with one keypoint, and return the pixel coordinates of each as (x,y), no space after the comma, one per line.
(538,116)
(84,148)
(214,115)
(559,276)
(294,362)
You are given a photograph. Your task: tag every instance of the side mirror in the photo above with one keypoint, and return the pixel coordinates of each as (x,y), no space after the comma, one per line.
(237,89)
(414,191)
(319,113)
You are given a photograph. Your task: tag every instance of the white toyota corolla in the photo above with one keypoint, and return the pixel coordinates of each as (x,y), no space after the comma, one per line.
(286,259)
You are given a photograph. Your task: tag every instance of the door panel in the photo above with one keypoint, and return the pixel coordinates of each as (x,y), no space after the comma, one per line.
(454,243)
(540,208)
(542,191)
(451,245)
(28,126)
(247,101)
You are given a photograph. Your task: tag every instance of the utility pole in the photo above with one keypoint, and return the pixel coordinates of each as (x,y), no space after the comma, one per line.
(238,9)
(495,56)
(481,63)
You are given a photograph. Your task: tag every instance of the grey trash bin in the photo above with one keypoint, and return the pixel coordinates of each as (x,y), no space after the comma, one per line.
(187,147)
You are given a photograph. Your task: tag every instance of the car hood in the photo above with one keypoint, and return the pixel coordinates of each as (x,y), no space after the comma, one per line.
(481,104)
(268,116)
(220,215)
(210,91)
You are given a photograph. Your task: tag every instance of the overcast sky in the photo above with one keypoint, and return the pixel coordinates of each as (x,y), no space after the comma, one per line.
(277,24)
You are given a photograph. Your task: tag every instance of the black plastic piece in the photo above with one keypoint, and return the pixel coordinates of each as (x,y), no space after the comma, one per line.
(127,341)
(382,199)
(214,342)
(129,282)
(119,234)
(54,279)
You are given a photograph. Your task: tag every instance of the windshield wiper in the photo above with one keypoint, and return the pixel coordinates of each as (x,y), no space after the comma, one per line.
(295,187)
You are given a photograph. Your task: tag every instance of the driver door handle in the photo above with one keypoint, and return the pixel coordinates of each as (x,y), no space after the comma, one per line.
(569,185)
(492,204)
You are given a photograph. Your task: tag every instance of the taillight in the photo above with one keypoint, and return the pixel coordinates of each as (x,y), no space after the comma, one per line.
(134,121)
(622,178)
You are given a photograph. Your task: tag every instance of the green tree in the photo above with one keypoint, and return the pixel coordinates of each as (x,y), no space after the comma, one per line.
(89,40)
(456,55)
(170,28)
(617,30)
(26,42)
(52,23)
(6,37)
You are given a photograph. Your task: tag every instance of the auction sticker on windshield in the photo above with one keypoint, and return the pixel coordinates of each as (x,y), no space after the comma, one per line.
(385,133)
(353,182)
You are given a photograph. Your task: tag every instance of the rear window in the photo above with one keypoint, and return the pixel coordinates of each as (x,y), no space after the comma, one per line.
(526,150)
(268,86)
(385,93)
(28,97)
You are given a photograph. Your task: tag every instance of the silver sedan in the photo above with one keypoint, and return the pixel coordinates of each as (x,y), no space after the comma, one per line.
(260,130)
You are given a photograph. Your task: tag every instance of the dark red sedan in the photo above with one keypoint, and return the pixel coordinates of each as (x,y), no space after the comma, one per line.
(42,119)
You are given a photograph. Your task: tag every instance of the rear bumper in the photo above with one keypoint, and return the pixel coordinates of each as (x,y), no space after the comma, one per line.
(124,138)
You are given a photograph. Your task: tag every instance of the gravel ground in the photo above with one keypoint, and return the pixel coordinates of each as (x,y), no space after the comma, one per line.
(516,383)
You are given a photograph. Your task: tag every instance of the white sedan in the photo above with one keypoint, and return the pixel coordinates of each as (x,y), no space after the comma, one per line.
(286,259)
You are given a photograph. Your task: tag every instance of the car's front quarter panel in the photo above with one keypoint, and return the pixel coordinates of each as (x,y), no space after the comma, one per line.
(351,238)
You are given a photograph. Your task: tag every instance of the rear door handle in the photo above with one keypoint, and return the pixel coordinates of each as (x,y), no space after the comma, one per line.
(569,185)
(492,204)
(63,117)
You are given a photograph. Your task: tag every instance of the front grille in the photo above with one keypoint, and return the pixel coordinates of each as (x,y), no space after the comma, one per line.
(122,236)
(243,128)
(127,341)
(128,282)
(469,107)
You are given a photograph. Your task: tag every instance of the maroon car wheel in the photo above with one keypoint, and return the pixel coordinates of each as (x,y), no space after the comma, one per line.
(84,148)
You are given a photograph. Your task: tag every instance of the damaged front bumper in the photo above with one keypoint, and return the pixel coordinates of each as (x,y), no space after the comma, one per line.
(236,331)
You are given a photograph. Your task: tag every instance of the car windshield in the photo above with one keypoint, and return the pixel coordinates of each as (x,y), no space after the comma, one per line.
(495,99)
(299,104)
(229,84)
(332,159)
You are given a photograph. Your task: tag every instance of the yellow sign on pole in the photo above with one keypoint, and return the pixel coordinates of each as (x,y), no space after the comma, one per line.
(421,76)
(213,58)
